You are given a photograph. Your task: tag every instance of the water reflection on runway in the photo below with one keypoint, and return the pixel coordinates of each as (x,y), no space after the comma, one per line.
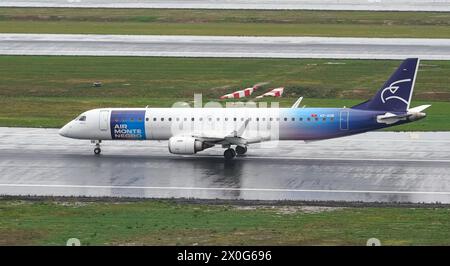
(386,169)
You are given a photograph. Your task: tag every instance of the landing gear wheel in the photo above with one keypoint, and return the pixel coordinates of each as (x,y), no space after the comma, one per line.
(229,154)
(97,149)
(240,150)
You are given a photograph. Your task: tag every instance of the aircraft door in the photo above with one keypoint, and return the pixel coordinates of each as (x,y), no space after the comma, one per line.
(104,119)
(344,120)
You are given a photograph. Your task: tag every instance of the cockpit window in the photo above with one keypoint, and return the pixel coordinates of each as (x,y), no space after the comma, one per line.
(82,118)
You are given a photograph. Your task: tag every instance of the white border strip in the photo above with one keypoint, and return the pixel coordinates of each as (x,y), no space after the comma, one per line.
(372,5)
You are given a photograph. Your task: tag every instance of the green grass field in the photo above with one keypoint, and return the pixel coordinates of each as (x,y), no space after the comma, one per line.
(46,91)
(169,223)
(226,22)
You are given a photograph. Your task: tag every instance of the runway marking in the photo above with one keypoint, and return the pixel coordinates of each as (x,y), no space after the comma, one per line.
(245,158)
(253,157)
(236,46)
(330,159)
(230,189)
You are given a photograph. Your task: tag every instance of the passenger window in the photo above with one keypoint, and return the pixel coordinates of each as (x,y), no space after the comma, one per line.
(264,119)
(309,119)
(192,119)
(218,119)
(185,119)
(131,119)
(285,119)
(317,119)
(234,119)
(293,119)
(332,119)
(324,119)
(201,118)
(278,119)
(154,118)
(146,119)
(170,118)
(271,119)
(178,119)
(162,118)
(300,119)
(257,119)
(226,118)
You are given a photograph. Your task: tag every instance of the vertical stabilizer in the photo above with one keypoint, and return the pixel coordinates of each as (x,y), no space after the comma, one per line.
(396,93)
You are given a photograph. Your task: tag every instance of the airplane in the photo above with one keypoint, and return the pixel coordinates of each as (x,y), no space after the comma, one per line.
(191,130)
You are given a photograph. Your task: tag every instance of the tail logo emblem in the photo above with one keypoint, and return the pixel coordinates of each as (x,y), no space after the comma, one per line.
(393,88)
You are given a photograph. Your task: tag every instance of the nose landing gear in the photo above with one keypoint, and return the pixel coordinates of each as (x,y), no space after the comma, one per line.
(97,149)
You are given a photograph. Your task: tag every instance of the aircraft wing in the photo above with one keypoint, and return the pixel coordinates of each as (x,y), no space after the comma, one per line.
(233,138)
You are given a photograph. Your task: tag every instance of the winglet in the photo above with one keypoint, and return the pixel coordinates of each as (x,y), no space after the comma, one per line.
(297,103)
(241,130)
(238,133)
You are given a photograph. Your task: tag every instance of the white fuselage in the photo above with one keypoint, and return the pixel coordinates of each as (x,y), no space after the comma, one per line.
(163,123)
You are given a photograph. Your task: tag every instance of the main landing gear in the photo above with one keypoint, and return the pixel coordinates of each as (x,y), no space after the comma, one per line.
(241,150)
(97,149)
(231,153)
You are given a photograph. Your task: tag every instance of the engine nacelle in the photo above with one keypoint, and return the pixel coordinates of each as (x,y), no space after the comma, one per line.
(186,145)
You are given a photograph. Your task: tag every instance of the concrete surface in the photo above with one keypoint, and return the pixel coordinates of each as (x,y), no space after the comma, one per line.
(372,167)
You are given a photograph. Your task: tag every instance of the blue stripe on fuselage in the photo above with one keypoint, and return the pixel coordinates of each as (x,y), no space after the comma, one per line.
(323,123)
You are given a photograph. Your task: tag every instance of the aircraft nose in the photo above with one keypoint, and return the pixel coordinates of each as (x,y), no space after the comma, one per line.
(63,131)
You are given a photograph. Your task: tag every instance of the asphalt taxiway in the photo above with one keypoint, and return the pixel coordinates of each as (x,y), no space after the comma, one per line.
(223,46)
(373,5)
(372,167)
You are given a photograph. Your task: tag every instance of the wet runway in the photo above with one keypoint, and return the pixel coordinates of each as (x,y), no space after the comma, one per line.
(391,5)
(372,167)
(224,46)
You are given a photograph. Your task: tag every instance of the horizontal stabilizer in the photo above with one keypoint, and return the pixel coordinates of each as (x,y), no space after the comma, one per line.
(390,118)
(419,109)
(412,115)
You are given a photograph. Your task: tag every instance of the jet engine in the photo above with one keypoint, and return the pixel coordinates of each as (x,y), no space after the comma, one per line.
(186,145)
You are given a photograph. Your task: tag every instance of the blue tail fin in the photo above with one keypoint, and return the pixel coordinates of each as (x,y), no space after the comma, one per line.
(396,93)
